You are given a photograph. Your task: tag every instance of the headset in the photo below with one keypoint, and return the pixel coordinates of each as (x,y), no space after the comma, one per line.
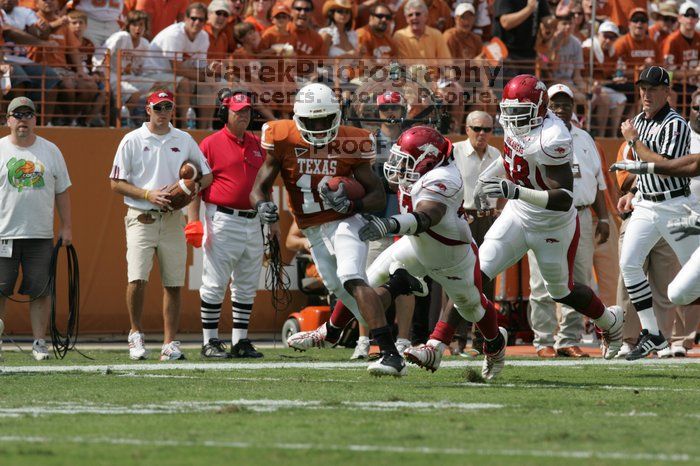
(221,116)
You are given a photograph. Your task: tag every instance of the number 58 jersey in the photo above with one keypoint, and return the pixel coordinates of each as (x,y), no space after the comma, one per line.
(525,158)
(305,168)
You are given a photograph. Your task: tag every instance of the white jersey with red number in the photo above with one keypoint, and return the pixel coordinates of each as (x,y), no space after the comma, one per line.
(101,10)
(439,245)
(525,158)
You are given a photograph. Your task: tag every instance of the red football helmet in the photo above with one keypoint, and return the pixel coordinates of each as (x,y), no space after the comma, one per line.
(417,151)
(524,104)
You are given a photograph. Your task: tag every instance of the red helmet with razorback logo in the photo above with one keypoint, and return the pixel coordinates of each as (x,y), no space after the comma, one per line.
(417,151)
(524,104)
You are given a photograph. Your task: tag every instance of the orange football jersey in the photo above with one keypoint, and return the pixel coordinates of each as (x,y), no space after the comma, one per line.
(304,167)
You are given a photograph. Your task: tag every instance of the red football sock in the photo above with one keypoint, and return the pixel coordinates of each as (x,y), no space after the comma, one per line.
(341,315)
(488,325)
(443,332)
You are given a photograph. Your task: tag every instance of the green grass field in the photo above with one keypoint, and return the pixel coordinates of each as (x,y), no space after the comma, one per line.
(283,410)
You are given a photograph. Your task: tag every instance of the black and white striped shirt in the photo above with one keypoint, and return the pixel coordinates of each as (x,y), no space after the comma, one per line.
(667,134)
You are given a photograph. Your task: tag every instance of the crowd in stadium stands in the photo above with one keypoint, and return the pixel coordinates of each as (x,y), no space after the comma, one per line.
(60,53)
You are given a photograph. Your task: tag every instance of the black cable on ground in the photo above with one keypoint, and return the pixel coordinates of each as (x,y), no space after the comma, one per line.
(277,280)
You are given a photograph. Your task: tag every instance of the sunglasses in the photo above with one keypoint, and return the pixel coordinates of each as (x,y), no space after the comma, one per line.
(381,16)
(305,9)
(22,115)
(194,19)
(222,13)
(341,12)
(690,15)
(390,108)
(669,19)
(160,108)
(696,108)
(639,19)
(478,129)
(416,14)
(610,36)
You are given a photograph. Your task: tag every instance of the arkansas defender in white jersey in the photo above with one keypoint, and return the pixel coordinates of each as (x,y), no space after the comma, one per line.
(436,241)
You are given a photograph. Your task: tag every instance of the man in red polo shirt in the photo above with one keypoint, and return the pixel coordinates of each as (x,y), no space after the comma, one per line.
(233,242)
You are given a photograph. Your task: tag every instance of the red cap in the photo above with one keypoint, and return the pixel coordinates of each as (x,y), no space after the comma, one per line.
(237,102)
(638,10)
(159,96)
(280,8)
(390,98)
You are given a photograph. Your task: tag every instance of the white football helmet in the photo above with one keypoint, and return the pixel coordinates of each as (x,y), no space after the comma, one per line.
(317,114)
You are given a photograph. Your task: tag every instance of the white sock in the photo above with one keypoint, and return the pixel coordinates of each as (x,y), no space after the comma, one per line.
(606,320)
(241,318)
(648,320)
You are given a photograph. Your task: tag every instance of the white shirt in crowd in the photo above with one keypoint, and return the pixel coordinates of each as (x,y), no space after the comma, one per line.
(695,149)
(101,11)
(152,161)
(172,43)
(471,166)
(588,173)
(20,17)
(132,63)
(29,181)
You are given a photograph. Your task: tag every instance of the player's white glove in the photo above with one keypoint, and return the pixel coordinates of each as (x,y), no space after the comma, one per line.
(480,199)
(377,228)
(685,226)
(267,211)
(501,187)
(337,200)
(632,166)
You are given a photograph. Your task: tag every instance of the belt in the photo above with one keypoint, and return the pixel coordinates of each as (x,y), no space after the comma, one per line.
(238,213)
(582,207)
(665,196)
(481,213)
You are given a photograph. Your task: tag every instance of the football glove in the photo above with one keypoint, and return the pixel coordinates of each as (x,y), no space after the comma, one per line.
(685,226)
(336,200)
(377,228)
(635,167)
(268,212)
(501,187)
(481,201)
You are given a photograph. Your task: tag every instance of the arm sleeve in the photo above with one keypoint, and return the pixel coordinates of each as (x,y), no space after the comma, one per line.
(121,167)
(62,177)
(195,153)
(676,139)
(599,175)
(433,188)
(556,145)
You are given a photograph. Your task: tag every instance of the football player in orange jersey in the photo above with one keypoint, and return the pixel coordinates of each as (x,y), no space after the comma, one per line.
(307,152)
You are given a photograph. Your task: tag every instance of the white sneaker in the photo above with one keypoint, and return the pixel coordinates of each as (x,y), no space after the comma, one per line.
(301,341)
(362,349)
(39,350)
(137,348)
(402,344)
(494,362)
(679,351)
(624,351)
(612,337)
(665,353)
(427,356)
(171,352)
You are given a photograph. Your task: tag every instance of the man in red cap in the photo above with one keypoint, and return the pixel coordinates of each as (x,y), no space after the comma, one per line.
(147,159)
(233,242)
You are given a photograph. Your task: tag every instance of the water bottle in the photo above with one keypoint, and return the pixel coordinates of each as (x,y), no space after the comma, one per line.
(191,118)
(125,117)
(621,68)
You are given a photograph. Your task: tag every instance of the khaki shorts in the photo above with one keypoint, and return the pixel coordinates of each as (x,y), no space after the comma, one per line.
(164,235)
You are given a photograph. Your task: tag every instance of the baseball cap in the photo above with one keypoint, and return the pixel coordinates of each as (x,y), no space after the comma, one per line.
(463,8)
(664,9)
(159,96)
(390,98)
(219,5)
(687,6)
(237,102)
(18,102)
(609,26)
(638,11)
(654,75)
(559,89)
(280,8)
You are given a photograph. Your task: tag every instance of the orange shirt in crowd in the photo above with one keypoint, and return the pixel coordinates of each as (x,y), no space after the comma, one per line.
(163,13)
(657,34)
(272,36)
(218,45)
(681,53)
(376,46)
(437,10)
(620,10)
(129,5)
(309,43)
(462,44)
(634,53)
(430,45)
(55,58)
(254,21)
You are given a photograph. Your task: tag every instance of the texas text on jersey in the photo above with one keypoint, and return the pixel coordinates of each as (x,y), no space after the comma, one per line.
(305,168)
(524,158)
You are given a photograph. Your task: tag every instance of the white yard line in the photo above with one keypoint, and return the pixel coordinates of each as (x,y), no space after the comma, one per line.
(652,457)
(574,386)
(225,366)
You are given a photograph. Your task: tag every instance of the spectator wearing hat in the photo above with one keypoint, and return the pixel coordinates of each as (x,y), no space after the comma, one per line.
(665,21)
(308,43)
(681,51)
(218,13)
(147,159)
(514,23)
(439,15)
(611,101)
(636,49)
(339,37)
(418,40)
(276,37)
(375,38)
(461,41)
(35,180)
(258,14)
(162,14)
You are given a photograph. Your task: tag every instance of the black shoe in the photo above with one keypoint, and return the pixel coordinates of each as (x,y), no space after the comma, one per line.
(245,349)
(215,349)
(415,286)
(647,343)
(388,364)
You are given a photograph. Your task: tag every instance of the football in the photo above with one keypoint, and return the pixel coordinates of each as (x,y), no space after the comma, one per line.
(353,188)
(189,171)
(181,193)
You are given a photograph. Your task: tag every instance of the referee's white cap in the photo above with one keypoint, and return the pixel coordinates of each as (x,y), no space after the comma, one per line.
(654,75)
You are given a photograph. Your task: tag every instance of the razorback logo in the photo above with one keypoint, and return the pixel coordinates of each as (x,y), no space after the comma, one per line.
(551,240)
(162,94)
(560,149)
(175,149)
(441,186)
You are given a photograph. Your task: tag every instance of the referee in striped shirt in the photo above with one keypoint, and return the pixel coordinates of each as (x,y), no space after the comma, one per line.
(659,130)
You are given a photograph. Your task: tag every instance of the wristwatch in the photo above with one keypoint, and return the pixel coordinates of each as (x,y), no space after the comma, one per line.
(632,142)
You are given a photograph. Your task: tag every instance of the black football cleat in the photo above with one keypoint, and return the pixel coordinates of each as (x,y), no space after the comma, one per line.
(647,343)
(215,349)
(245,349)
(388,364)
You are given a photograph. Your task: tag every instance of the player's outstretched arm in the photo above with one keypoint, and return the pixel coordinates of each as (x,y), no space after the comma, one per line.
(683,166)
(426,214)
(375,197)
(261,195)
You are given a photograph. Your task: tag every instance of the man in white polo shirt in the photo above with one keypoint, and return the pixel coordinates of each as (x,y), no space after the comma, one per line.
(148,159)
(589,185)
